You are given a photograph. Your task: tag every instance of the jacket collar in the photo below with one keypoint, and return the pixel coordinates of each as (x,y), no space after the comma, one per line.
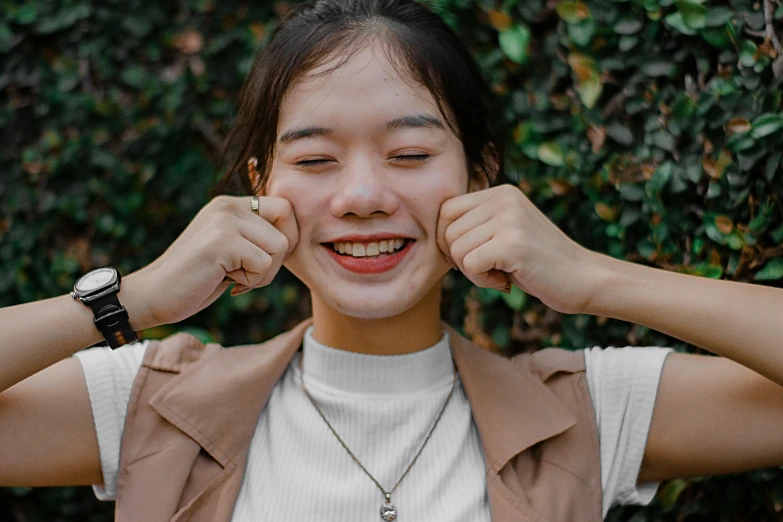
(218,403)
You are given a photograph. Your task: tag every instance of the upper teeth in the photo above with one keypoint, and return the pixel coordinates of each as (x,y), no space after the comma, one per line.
(368,249)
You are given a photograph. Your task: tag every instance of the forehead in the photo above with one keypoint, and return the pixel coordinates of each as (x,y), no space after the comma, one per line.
(364,90)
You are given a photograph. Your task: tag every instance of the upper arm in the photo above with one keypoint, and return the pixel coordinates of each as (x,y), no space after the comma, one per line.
(47,434)
(712,416)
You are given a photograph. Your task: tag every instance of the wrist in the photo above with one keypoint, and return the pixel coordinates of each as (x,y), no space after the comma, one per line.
(133,298)
(609,280)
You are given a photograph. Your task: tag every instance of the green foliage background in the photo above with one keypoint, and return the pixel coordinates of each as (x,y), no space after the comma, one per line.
(645,129)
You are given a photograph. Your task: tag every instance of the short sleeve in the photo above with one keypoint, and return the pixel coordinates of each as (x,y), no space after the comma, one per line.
(109,375)
(623,384)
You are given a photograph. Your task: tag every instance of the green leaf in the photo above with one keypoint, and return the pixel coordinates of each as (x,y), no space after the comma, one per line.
(137,26)
(711,229)
(747,54)
(619,133)
(632,192)
(581,33)
(628,25)
(739,142)
(514,42)
(6,38)
(772,271)
(572,11)
(676,21)
(765,125)
(659,68)
(515,300)
(777,235)
(135,76)
(659,178)
(489,295)
(671,491)
(707,270)
(718,16)
(626,43)
(551,154)
(693,14)
(716,37)
(735,240)
(205,336)
(27,14)
(590,90)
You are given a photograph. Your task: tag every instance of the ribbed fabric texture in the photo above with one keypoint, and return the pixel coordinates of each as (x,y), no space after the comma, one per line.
(109,375)
(383,407)
(624,383)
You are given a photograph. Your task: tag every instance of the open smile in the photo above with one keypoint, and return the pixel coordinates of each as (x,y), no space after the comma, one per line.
(369,258)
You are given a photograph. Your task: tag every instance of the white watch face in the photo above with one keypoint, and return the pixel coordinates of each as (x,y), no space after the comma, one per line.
(95,279)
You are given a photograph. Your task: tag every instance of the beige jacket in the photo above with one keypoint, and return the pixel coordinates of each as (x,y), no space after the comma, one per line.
(194,408)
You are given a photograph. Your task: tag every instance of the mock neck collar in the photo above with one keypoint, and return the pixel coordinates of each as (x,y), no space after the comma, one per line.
(368,376)
(217,403)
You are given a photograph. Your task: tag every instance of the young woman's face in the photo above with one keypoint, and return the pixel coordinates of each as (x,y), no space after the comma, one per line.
(365,157)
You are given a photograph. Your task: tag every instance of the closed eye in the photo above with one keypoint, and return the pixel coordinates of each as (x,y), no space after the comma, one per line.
(311,163)
(412,157)
(407,157)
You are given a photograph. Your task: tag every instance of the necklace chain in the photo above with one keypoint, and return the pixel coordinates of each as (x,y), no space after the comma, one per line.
(387,494)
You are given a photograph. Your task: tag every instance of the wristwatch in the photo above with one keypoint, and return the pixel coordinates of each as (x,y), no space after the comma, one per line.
(98,289)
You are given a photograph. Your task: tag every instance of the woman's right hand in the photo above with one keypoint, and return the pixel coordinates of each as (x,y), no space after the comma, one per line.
(226,243)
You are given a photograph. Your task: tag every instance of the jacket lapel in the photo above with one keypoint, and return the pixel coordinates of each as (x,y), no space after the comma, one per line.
(217,404)
(496,386)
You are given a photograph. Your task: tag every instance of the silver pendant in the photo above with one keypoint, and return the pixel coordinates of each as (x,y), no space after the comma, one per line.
(388,511)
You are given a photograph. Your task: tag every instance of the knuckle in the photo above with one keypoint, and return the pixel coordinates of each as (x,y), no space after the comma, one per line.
(469,263)
(450,234)
(284,244)
(265,260)
(221,202)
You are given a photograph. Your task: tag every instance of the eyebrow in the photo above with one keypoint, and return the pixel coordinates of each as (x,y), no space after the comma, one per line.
(416,121)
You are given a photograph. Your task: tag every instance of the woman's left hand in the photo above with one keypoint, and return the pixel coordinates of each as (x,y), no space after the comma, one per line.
(497,237)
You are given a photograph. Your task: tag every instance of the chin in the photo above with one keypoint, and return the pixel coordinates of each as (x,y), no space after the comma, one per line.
(373,300)
(372,307)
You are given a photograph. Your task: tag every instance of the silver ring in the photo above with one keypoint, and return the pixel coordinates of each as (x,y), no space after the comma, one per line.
(254,203)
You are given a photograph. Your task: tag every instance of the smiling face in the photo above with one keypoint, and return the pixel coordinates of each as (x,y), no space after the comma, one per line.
(364,155)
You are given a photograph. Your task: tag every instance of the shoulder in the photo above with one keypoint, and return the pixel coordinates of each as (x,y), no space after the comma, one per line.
(548,362)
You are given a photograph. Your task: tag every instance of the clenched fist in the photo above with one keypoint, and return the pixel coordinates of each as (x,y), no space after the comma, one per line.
(225,243)
(497,237)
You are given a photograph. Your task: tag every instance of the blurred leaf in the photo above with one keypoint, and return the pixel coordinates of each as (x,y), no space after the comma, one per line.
(572,10)
(515,300)
(627,25)
(551,154)
(671,491)
(27,14)
(772,271)
(676,20)
(581,33)
(693,13)
(766,124)
(514,43)
(748,53)
(717,16)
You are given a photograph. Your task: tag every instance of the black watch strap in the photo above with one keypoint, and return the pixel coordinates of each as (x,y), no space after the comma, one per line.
(111,319)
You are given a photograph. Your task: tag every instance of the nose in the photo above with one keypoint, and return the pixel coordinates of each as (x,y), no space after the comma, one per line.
(363,190)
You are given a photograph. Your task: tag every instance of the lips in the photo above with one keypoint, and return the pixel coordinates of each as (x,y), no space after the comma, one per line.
(369,265)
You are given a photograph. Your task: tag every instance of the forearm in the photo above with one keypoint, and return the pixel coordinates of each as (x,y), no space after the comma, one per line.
(34,336)
(740,321)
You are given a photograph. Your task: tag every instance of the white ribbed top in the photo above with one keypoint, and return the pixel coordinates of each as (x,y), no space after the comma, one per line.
(383,407)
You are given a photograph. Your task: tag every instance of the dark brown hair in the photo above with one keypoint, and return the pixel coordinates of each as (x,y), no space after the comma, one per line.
(416,41)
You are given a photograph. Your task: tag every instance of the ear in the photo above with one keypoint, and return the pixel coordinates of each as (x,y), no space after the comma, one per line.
(254,175)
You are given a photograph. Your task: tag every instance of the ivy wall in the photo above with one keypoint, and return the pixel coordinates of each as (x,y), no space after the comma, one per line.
(646,129)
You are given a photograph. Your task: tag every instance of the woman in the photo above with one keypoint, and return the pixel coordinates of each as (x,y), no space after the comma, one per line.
(378,147)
